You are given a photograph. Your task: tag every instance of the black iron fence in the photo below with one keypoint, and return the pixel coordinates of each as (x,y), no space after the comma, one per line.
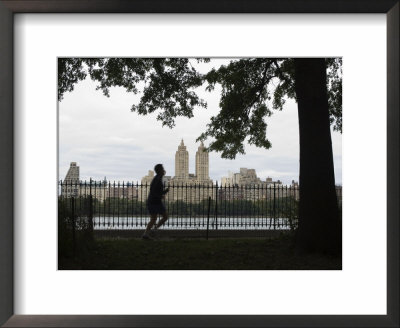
(117,207)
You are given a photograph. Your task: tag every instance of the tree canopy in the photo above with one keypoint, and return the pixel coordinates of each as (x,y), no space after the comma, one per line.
(251,89)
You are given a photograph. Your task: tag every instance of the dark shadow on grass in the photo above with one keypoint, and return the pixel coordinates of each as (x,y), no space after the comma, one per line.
(276,253)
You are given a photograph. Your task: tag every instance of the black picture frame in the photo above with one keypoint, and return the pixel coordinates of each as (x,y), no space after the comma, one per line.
(10,7)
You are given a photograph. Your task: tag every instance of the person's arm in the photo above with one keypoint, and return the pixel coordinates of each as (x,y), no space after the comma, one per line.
(165,191)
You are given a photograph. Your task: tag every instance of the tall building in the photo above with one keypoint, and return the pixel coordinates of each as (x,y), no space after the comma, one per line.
(72,174)
(202,164)
(182,162)
(70,186)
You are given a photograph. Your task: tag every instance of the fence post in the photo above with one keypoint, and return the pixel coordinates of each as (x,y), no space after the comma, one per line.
(208,215)
(274,209)
(90,209)
(290,211)
(73,226)
(216,205)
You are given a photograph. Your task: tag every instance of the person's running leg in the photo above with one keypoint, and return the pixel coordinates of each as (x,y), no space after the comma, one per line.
(153,219)
(163,220)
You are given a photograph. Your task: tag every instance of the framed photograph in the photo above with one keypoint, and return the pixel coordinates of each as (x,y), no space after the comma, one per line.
(40,37)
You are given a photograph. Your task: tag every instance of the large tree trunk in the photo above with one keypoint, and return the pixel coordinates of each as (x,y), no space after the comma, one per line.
(319,223)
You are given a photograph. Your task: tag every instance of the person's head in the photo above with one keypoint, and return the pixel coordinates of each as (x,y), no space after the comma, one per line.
(159,168)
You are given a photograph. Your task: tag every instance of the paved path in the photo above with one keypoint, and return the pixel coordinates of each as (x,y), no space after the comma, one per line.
(189,233)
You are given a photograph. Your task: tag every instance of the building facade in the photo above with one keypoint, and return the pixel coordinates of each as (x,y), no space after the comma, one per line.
(246,185)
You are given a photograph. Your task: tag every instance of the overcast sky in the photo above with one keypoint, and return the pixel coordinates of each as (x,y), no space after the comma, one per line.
(106,139)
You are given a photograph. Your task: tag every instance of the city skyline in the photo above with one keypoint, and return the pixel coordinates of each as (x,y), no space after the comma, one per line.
(182,173)
(72,177)
(191,168)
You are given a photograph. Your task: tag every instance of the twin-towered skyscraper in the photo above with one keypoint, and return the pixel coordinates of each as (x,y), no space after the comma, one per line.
(182,164)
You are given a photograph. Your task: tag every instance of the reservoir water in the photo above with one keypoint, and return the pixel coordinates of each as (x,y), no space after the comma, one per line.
(200,223)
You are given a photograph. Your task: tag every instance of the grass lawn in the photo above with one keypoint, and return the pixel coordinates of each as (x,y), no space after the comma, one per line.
(196,254)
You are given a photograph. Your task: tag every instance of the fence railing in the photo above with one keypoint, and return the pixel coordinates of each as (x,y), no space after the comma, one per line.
(122,206)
